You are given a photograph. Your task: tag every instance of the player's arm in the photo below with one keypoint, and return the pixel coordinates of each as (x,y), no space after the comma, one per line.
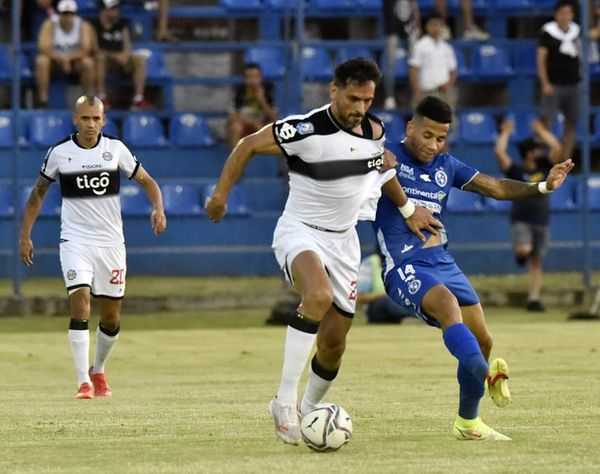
(30,214)
(500,149)
(158,219)
(261,142)
(509,189)
(556,150)
(417,218)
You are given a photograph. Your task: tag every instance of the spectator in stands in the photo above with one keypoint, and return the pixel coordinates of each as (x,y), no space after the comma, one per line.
(401,21)
(432,64)
(378,306)
(113,36)
(558,71)
(471,31)
(530,217)
(65,46)
(253,105)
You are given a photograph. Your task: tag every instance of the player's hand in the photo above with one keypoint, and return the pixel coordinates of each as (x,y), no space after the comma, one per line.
(389,161)
(215,209)
(158,221)
(558,173)
(422,219)
(26,251)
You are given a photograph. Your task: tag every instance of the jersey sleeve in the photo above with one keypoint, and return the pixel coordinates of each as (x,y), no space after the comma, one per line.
(49,169)
(128,163)
(463,173)
(289,134)
(545,40)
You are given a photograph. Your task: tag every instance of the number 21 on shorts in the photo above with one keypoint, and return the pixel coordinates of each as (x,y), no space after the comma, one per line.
(118,276)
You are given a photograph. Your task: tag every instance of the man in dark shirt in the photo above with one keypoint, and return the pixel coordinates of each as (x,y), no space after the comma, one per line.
(558,71)
(530,217)
(115,53)
(253,105)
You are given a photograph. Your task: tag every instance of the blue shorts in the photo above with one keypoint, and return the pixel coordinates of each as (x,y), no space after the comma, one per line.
(408,282)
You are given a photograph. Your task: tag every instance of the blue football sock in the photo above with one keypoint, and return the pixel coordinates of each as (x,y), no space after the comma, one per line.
(471,392)
(463,345)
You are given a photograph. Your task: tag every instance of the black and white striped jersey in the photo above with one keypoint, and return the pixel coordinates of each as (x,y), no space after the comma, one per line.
(89,183)
(332,170)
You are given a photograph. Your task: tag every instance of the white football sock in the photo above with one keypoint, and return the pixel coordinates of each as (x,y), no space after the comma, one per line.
(298,346)
(316,388)
(80,348)
(104,344)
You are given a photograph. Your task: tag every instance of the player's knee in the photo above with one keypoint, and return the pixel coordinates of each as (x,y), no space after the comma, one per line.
(318,299)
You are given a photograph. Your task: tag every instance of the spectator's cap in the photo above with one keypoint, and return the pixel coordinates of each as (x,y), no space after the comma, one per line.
(67,6)
(108,4)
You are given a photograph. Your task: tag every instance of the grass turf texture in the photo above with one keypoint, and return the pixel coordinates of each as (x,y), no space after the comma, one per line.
(191,394)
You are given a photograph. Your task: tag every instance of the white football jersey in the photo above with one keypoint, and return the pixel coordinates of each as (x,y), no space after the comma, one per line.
(332,170)
(89,184)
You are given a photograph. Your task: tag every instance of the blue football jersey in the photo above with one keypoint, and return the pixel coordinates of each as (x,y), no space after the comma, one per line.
(427,185)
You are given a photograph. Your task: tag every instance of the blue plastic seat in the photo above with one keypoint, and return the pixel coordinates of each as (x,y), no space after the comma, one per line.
(522,119)
(143,130)
(491,62)
(371,4)
(496,205)
(52,202)
(282,4)
(271,60)
(464,201)
(7,207)
(563,199)
(134,201)
(401,64)
(7,69)
(395,128)
(155,65)
(463,70)
(187,129)
(181,199)
(477,128)
(242,5)
(594,192)
(334,4)
(526,60)
(349,52)
(6,130)
(316,64)
(111,128)
(236,203)
(513,5)
(47,128)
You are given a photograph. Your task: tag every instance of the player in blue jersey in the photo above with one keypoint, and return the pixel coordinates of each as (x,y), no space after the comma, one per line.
(424,275)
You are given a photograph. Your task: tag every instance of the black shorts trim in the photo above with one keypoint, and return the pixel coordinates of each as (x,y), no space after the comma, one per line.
(108,297)
(346,314)
(80,285)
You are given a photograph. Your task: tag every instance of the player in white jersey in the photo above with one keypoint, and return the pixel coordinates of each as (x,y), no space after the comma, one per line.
(335,155)
(92,246)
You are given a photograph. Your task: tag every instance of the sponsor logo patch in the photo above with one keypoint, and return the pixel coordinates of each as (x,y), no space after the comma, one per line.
(71,275)
(107,156)
(305,128)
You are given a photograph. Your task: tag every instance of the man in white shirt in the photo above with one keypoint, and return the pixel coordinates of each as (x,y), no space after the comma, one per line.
(432,64)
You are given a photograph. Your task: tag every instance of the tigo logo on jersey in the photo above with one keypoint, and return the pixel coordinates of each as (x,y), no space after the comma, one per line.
(376,163)
(441,178)
(287,131)
(304,128)
(97,184)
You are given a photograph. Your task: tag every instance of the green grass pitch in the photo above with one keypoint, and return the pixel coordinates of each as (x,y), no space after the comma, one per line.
(191,394)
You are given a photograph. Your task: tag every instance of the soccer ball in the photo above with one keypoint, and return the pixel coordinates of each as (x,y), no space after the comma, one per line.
(327,427)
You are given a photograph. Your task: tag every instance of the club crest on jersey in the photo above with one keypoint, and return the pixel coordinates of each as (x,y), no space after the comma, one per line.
(441,178)
(305,128)
(107,156)
(71,275)
(414,286)
(287,131)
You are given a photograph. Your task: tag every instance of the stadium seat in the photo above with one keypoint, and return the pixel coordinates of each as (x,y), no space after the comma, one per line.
(181,199)
(236,203)
(464,201)
(242,5)
(526,60)
(345,53)
(334,4)
(187,129)
(513,5)
(491,62)
(463,70)
(371,4)
(7,207)
(316,64)
(143,130)
(271,60)
(52,201)
(111,128)
(593,184)
(522,119)
(563,199)
(395,127)
(282,4)
(134,201)
(6,66)
(401,64)
(477,128)
(47,128)
(6,130)
(155,65)
(496,205)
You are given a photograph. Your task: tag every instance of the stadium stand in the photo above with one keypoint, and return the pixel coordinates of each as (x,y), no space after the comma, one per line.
(144,130)
(134,202)
(6,130)
(316,64)
(181,199)
(236,202)
(478,127)
(464,201)
(52,202)
(47,128)
(188,129)
(7,207)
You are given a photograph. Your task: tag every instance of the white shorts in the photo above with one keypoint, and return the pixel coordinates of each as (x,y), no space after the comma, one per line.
(102,269)
(339,253)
